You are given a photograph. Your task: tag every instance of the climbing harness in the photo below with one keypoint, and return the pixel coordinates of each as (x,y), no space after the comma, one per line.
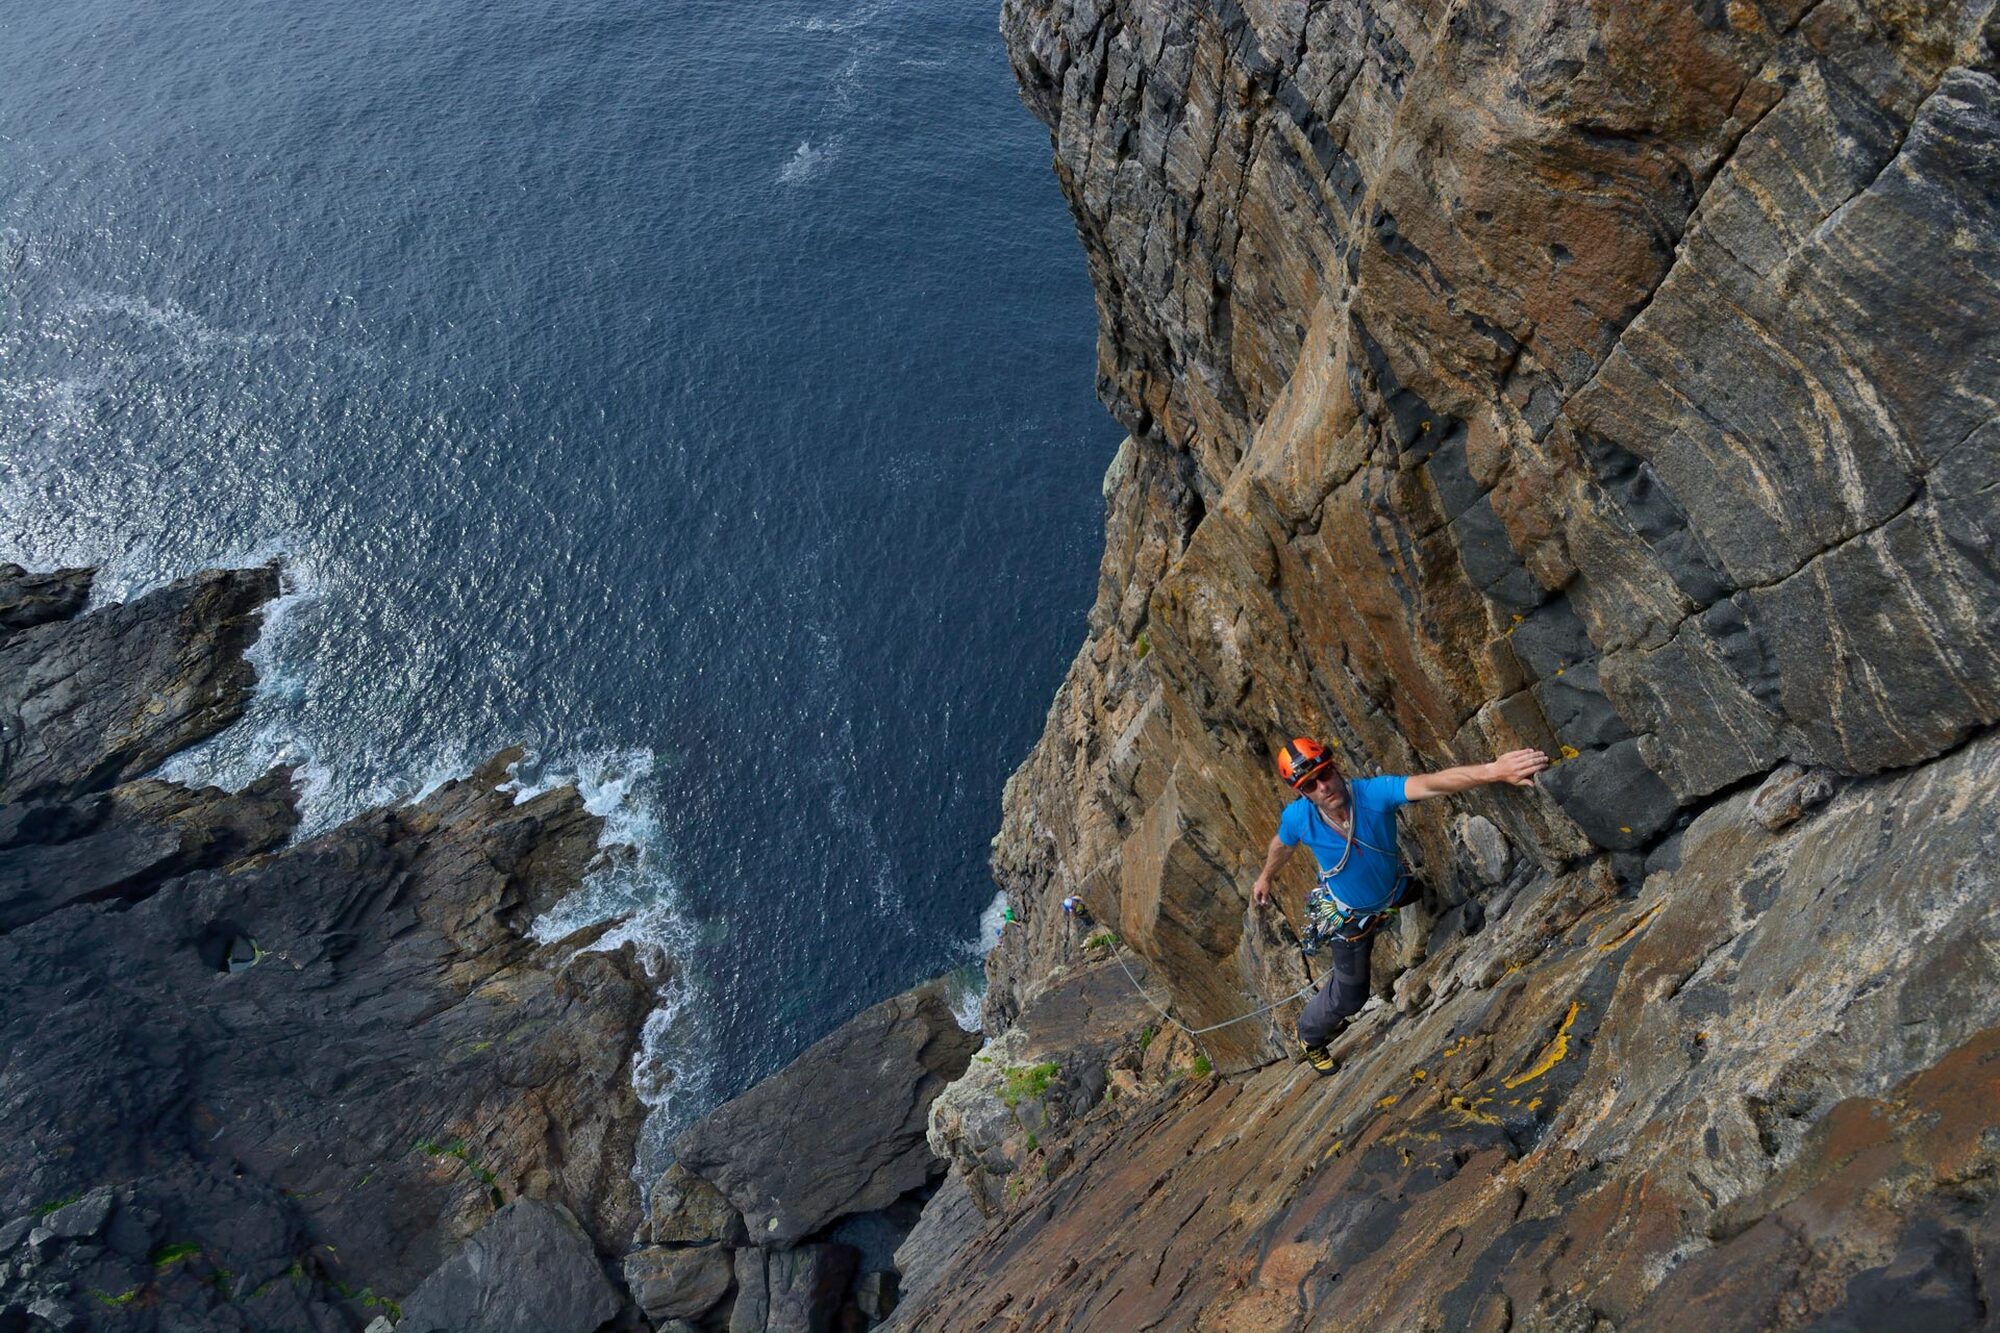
(1329,919)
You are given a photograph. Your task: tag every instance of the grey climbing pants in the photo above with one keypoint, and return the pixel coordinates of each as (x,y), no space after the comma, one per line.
(1345,989)
(1342,994)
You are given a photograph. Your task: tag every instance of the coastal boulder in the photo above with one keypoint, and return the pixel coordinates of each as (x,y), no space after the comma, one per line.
(841,1129)
(27,600)
(801,1290)
(1027,1086)
(529,1270)
(687,1210)
(679,1283)
(104,698)
(948,1221)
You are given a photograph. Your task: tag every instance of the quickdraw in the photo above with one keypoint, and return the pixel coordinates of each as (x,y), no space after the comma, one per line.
(1328,918)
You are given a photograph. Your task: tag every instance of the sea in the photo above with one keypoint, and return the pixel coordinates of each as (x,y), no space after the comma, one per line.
(698,393)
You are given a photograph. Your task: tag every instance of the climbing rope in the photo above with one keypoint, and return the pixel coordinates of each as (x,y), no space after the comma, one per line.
(1196,1032)
(1073,905)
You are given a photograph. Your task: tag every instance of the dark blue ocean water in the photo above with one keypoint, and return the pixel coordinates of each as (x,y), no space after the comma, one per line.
(699,392)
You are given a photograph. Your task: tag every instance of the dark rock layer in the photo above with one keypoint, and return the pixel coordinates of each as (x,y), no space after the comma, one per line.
(528,1270)
(27,600)
(103,698)
(295,1076)
(785,1206)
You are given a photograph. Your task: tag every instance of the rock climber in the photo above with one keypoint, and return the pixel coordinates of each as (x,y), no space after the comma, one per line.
(1351,828)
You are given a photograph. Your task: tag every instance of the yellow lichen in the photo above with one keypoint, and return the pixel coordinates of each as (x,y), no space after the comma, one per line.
(1553,1054)
(1632,929)
(1469,1113)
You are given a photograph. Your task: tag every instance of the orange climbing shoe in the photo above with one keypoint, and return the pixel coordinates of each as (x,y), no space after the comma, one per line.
(1319,1057)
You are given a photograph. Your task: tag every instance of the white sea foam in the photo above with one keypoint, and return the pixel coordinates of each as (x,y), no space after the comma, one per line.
(965,986)
(808,162)
(188,331)
(991,922)
(634,886)
(266,737)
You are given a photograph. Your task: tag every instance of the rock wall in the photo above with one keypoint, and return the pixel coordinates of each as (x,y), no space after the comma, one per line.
(1617,379)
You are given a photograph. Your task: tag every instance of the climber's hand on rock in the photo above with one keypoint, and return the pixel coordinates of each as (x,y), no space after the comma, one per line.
(1260,892)
(1519,767)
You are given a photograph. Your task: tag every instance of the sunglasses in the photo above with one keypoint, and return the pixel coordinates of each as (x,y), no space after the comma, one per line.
(1324,778)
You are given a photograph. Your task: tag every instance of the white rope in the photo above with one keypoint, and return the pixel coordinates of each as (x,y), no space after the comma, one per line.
(1196,1032)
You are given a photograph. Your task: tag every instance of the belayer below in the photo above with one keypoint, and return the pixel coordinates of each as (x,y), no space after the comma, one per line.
(1351,828)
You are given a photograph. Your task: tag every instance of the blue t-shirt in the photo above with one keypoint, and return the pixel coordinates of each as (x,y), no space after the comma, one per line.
(1367,883)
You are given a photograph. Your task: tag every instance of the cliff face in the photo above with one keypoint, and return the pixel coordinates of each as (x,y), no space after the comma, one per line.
(1618,379)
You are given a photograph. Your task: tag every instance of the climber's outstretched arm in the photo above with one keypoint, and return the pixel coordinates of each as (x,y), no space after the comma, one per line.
(1516,767)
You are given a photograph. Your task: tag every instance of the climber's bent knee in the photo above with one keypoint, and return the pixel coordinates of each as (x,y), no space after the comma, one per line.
(1341,996)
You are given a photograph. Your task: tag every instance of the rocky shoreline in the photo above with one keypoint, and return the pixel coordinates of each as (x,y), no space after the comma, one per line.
(254,1083)
(261,1084)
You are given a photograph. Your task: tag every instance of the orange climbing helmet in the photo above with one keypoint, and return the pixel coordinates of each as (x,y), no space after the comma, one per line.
(1300,759)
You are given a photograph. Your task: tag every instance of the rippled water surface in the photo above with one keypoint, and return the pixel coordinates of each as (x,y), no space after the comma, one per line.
(698,392)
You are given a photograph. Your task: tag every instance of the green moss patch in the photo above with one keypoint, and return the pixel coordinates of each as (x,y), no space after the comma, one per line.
(457,1151)
(168,1255)
(1027,1081)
